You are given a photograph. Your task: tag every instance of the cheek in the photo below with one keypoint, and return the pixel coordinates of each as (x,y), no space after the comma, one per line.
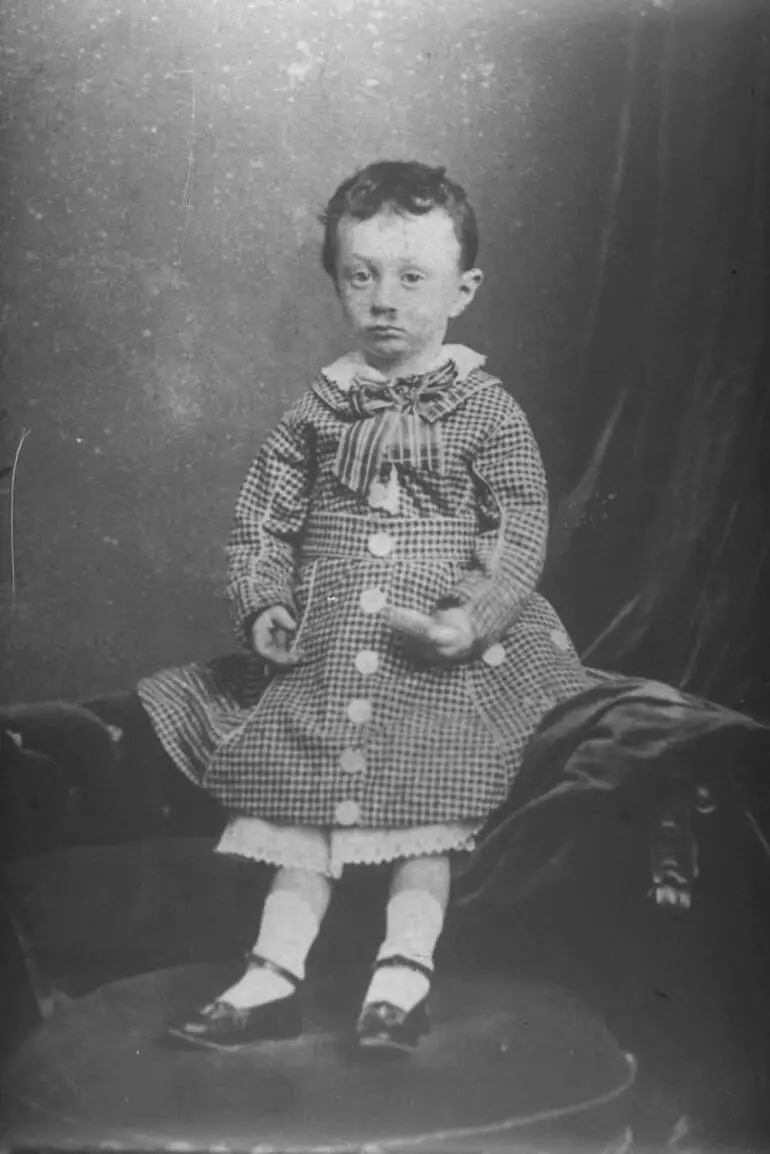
(429,313)
(447,308)
(354,304)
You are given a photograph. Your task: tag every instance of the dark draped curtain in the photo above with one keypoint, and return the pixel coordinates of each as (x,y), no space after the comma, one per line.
(659,552)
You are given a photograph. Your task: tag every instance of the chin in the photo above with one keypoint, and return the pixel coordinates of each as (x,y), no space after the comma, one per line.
(386,354)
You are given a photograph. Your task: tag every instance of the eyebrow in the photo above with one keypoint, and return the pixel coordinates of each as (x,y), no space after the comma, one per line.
(355,256)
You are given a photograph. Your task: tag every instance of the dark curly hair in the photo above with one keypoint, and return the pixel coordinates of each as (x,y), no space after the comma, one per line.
(404,186)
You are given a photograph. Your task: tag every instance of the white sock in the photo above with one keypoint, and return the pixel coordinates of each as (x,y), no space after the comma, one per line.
(414,923)
(287,931)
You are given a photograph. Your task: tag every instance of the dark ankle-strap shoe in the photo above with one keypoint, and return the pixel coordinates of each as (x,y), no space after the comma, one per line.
(387,1028)
(220,1026)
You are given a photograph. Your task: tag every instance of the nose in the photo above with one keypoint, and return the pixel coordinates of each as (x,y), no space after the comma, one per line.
(383,299)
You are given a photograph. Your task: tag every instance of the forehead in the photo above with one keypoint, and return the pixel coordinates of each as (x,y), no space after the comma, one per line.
(390,235)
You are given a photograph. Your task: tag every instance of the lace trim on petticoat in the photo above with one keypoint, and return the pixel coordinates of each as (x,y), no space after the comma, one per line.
(329,851)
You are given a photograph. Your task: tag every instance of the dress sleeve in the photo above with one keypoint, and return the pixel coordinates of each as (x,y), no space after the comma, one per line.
(510,548)
(269,517)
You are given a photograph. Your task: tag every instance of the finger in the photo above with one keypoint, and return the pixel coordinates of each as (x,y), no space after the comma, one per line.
(443,636)
(281,617)
(430,651)
(449,642)
(260,638)
(283,658)
(451,650)
(277,654)
(445,654)
(268,645)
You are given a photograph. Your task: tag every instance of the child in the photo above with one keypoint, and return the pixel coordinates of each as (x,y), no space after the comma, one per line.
(386,547)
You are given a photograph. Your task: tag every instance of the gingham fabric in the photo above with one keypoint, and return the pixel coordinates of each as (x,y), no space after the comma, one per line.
(360,733)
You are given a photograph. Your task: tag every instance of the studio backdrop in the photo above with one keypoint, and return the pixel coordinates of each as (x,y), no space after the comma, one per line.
(163,165)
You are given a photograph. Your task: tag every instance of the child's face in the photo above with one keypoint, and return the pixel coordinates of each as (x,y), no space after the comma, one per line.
(400,282)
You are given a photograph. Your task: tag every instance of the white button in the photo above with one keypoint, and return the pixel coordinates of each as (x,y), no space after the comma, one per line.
(352,761)
(367,662)
(495,655)
(381,544)
(560,639)
(360,711)
(373,600)
(378,494)
(347,812)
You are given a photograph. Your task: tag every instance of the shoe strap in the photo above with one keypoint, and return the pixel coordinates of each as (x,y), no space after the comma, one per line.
(408,963)
(266,964)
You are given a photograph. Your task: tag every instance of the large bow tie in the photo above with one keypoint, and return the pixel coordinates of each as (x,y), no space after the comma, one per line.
(395,423)
(369,395)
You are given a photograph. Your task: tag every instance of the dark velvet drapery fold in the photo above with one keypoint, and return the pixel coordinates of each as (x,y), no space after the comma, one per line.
(659,548)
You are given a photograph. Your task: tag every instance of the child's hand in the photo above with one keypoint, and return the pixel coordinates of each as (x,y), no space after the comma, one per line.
(446,636)
(452,636)
(271,636)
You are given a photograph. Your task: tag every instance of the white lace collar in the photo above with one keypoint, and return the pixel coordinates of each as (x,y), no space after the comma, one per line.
(343,370)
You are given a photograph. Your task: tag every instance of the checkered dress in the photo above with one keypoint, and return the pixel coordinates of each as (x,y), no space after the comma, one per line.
(360,733)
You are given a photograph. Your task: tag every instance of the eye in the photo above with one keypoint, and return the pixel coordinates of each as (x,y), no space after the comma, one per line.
(359,277)
(412,278)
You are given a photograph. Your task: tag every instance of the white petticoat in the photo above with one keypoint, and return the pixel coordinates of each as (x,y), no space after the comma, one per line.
(328,851)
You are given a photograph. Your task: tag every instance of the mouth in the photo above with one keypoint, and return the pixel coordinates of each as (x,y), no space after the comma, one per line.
(385,331)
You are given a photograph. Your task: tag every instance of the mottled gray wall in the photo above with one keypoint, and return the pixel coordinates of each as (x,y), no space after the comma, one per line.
(164,162)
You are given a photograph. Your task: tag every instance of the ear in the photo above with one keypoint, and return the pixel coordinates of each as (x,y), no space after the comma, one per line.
(470,283)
